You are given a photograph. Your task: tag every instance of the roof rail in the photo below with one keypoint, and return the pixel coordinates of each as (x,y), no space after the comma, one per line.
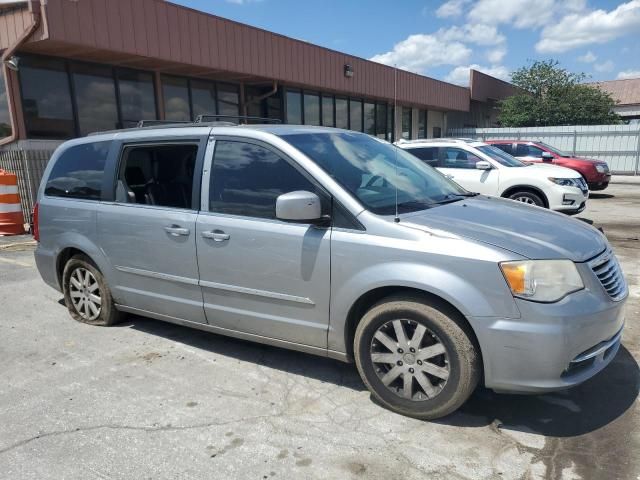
(155,123)
(214,118)
(444,139)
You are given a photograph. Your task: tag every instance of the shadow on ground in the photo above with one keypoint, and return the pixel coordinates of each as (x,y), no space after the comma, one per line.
(600,196)
(577,411)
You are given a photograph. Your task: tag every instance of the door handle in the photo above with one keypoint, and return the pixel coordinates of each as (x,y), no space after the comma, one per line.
(176,230)
(216,235)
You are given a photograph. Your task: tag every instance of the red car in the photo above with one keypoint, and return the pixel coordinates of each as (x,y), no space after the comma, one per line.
(595,172)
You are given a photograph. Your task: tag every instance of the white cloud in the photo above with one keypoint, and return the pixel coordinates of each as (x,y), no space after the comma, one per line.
(496,55)
(421,51)
(460,75)
(518,13)
(451,8)
(604,66)
(473,33)
(242,2)
(588,57)
(625,74)
(598,26)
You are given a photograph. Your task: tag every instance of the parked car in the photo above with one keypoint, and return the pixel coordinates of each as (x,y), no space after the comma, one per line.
(334,243)
(595,172)
(485,169)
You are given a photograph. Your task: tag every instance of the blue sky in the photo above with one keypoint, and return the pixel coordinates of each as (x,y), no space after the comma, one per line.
(443,38)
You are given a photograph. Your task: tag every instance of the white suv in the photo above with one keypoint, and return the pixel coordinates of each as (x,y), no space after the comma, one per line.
(485,169)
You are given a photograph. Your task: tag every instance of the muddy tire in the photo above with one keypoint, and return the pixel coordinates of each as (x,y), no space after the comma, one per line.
(86,293)
(416,359)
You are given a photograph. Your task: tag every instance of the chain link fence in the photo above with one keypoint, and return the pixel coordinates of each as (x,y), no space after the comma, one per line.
(618,145)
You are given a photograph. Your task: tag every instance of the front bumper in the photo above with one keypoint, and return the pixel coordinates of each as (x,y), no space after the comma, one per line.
(552,346)
(568,199)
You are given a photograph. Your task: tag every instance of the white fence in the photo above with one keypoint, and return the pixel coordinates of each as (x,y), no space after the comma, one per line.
(619,145)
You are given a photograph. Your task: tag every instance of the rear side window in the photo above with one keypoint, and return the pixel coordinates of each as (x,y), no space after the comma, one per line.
(428,155)
(505,147)
(78,172)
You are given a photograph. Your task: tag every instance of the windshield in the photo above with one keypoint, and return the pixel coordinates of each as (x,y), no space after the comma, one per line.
(554,149)
(503,158)
(374,171)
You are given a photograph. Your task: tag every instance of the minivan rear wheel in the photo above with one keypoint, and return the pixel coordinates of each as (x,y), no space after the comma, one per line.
(527,197)
(86,293)
(415,359)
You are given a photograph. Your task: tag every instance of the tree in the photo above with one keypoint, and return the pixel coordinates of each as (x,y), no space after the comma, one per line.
(552,95)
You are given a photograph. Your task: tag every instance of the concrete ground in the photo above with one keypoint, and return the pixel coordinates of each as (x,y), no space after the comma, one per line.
(149,400)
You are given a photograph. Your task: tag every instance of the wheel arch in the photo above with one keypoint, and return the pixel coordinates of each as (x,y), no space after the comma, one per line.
(526,188)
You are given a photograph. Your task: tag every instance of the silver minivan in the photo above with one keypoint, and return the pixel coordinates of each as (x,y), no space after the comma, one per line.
(335,243)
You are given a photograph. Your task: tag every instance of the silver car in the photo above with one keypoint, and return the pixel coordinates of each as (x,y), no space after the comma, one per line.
(334,243)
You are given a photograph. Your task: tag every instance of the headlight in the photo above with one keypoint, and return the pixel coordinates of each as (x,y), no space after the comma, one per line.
(566,182)
(542,280)
(600,168)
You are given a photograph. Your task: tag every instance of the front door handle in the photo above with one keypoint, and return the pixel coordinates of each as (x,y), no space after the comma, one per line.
(216,235)
(177,230)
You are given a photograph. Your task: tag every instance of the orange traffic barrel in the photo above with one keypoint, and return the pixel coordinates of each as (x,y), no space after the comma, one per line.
(11,218)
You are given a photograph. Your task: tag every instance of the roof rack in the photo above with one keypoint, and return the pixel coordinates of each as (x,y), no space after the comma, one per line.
(155,123)
(205,118)
(444,139)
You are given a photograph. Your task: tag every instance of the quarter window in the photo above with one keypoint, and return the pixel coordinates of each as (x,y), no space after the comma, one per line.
(246,180)
(78,172)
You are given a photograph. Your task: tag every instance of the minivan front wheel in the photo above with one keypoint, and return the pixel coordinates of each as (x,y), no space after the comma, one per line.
(86,293)
(415,359)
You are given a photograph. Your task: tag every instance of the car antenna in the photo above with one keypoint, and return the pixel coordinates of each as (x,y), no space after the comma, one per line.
(395,115)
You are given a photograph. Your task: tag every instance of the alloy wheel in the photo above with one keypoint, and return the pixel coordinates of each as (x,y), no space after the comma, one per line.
(410,360)
(84,291)
(524,199)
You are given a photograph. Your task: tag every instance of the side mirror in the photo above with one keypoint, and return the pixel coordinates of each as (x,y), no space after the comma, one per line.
(483,165)
(546,156)
(300,206)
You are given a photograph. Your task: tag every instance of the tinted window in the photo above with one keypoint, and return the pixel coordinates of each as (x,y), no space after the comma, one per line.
(311,109)
(381,120)
(437,132)
(5,119)
(46,98)
(228,99)
(355,115)
(246,180)
(176,98)
(505,147)
(78,172)
(203,98)
(95,93)
(426,154)
(137,97)
(160,175)
(342,113)
(523,150)
(406,123)
(327,111)
(422,124)
(458,158)
(294,108)
(370,118)
(500,156)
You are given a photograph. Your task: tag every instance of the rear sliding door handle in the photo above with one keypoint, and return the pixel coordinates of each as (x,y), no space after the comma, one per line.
(176,230)
(216,235)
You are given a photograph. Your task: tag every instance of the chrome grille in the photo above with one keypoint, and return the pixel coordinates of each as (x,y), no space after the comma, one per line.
(608,271)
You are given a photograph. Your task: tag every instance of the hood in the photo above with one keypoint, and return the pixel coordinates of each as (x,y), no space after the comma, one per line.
(552,171)
(531,232)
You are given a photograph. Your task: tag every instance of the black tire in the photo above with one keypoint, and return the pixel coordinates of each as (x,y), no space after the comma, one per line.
(108,314)
(528,197)
(464,365)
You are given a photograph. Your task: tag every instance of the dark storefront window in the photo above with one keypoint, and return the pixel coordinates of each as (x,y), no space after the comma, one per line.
(369,118)
(137,97)
(342,113)
(294,108)
(327,112)
(5,118)
(381,120)
(228,99)
(95,94)
(46,98)
(422,124)
(203,98)
(391,124)
(311,109)
(176,98)
(355,115)
(406,123)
